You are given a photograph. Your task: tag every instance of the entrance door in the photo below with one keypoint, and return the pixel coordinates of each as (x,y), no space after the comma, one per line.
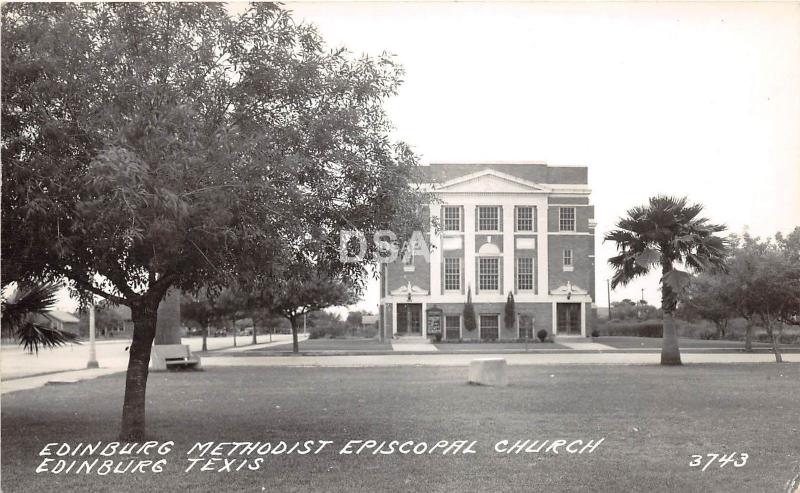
(409,318)
(568,318)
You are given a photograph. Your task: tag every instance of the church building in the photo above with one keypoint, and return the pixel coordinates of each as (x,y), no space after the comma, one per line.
(521,228)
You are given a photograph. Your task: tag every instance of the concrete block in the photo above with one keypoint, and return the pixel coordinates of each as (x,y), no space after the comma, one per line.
(488,371)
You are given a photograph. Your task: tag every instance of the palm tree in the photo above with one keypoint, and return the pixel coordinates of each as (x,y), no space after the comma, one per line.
(666,231)
(19,317)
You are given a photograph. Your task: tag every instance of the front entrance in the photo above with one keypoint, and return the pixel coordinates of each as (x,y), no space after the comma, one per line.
(409,318)
(568,318)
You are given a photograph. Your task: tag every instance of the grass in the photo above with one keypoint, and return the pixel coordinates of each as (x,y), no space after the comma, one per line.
(653,419)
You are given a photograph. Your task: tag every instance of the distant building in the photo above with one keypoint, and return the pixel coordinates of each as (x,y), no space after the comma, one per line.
(369,323)
(63,321)
(526,229)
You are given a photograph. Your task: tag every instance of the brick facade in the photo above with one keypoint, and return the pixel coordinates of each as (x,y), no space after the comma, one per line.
(490,242)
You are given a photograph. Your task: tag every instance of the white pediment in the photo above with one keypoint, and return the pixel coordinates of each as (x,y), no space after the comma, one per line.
(568,289)
(404,290)
(490,181)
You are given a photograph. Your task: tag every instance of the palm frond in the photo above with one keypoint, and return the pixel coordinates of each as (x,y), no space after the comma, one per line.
(18,314)
(625,269)
(28,299)
(672,227)
(32,335)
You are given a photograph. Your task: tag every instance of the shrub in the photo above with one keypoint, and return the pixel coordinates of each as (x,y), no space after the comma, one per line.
(470,322)
(542,335)
(332,331)
(595,333)
(647,328)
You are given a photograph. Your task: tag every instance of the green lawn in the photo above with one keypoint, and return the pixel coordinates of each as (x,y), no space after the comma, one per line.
(653,419)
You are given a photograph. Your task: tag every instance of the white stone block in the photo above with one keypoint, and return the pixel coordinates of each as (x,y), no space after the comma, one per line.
(488,371)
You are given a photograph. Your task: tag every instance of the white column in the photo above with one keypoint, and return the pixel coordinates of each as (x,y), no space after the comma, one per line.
(508,249)
(469,248)
(541,251)
(394,318)
(92,350)
(555,322)
(435,265)
(423,322)
(583,319)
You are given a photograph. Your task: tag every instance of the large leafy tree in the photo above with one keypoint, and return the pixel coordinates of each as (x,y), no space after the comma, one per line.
(764,276)
(665,232)
(711,297)
(152,146)
(299,291)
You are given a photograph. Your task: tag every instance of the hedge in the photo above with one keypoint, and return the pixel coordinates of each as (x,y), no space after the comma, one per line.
(647,328)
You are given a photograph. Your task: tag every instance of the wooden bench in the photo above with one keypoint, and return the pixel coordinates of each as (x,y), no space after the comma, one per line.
(165,356)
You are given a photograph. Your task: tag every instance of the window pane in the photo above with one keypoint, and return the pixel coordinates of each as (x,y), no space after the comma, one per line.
(525,273)
(488,219)
(566,219)
(526,327)
(452,325)
(489,327)
(525,219)
(452,218)
(488,279)
(452,273)
(567,257)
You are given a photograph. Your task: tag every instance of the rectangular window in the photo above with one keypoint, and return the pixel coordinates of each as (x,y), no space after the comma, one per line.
(489,327)
(452,219)
(525,274)
(568,259)
(488,274)
(488,219)
(524,218)
(566,219)
(452,327)
(452,274)
(525,327)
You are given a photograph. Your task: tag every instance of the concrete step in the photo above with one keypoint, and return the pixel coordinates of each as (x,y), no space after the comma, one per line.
(410,340)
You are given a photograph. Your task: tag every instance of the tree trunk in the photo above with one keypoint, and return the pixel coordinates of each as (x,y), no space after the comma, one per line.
(205,338)
(670,352)
(748,337)
(145,317)
(295,343)
(775,344)
(255,340)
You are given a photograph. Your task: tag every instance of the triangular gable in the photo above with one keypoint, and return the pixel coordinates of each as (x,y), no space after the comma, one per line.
(489,181)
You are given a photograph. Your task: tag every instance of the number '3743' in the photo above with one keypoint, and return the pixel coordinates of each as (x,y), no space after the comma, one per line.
(737,459)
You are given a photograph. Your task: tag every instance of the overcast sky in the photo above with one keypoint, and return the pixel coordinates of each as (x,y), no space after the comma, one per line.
(700,100)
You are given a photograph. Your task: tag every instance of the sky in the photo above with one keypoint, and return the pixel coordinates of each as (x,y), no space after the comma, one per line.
(701,100)
(694,99)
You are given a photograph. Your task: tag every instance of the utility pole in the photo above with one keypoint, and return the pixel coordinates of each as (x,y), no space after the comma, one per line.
(92,351)
(608,290)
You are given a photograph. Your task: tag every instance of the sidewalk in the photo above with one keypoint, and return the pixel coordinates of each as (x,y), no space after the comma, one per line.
(21,370)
